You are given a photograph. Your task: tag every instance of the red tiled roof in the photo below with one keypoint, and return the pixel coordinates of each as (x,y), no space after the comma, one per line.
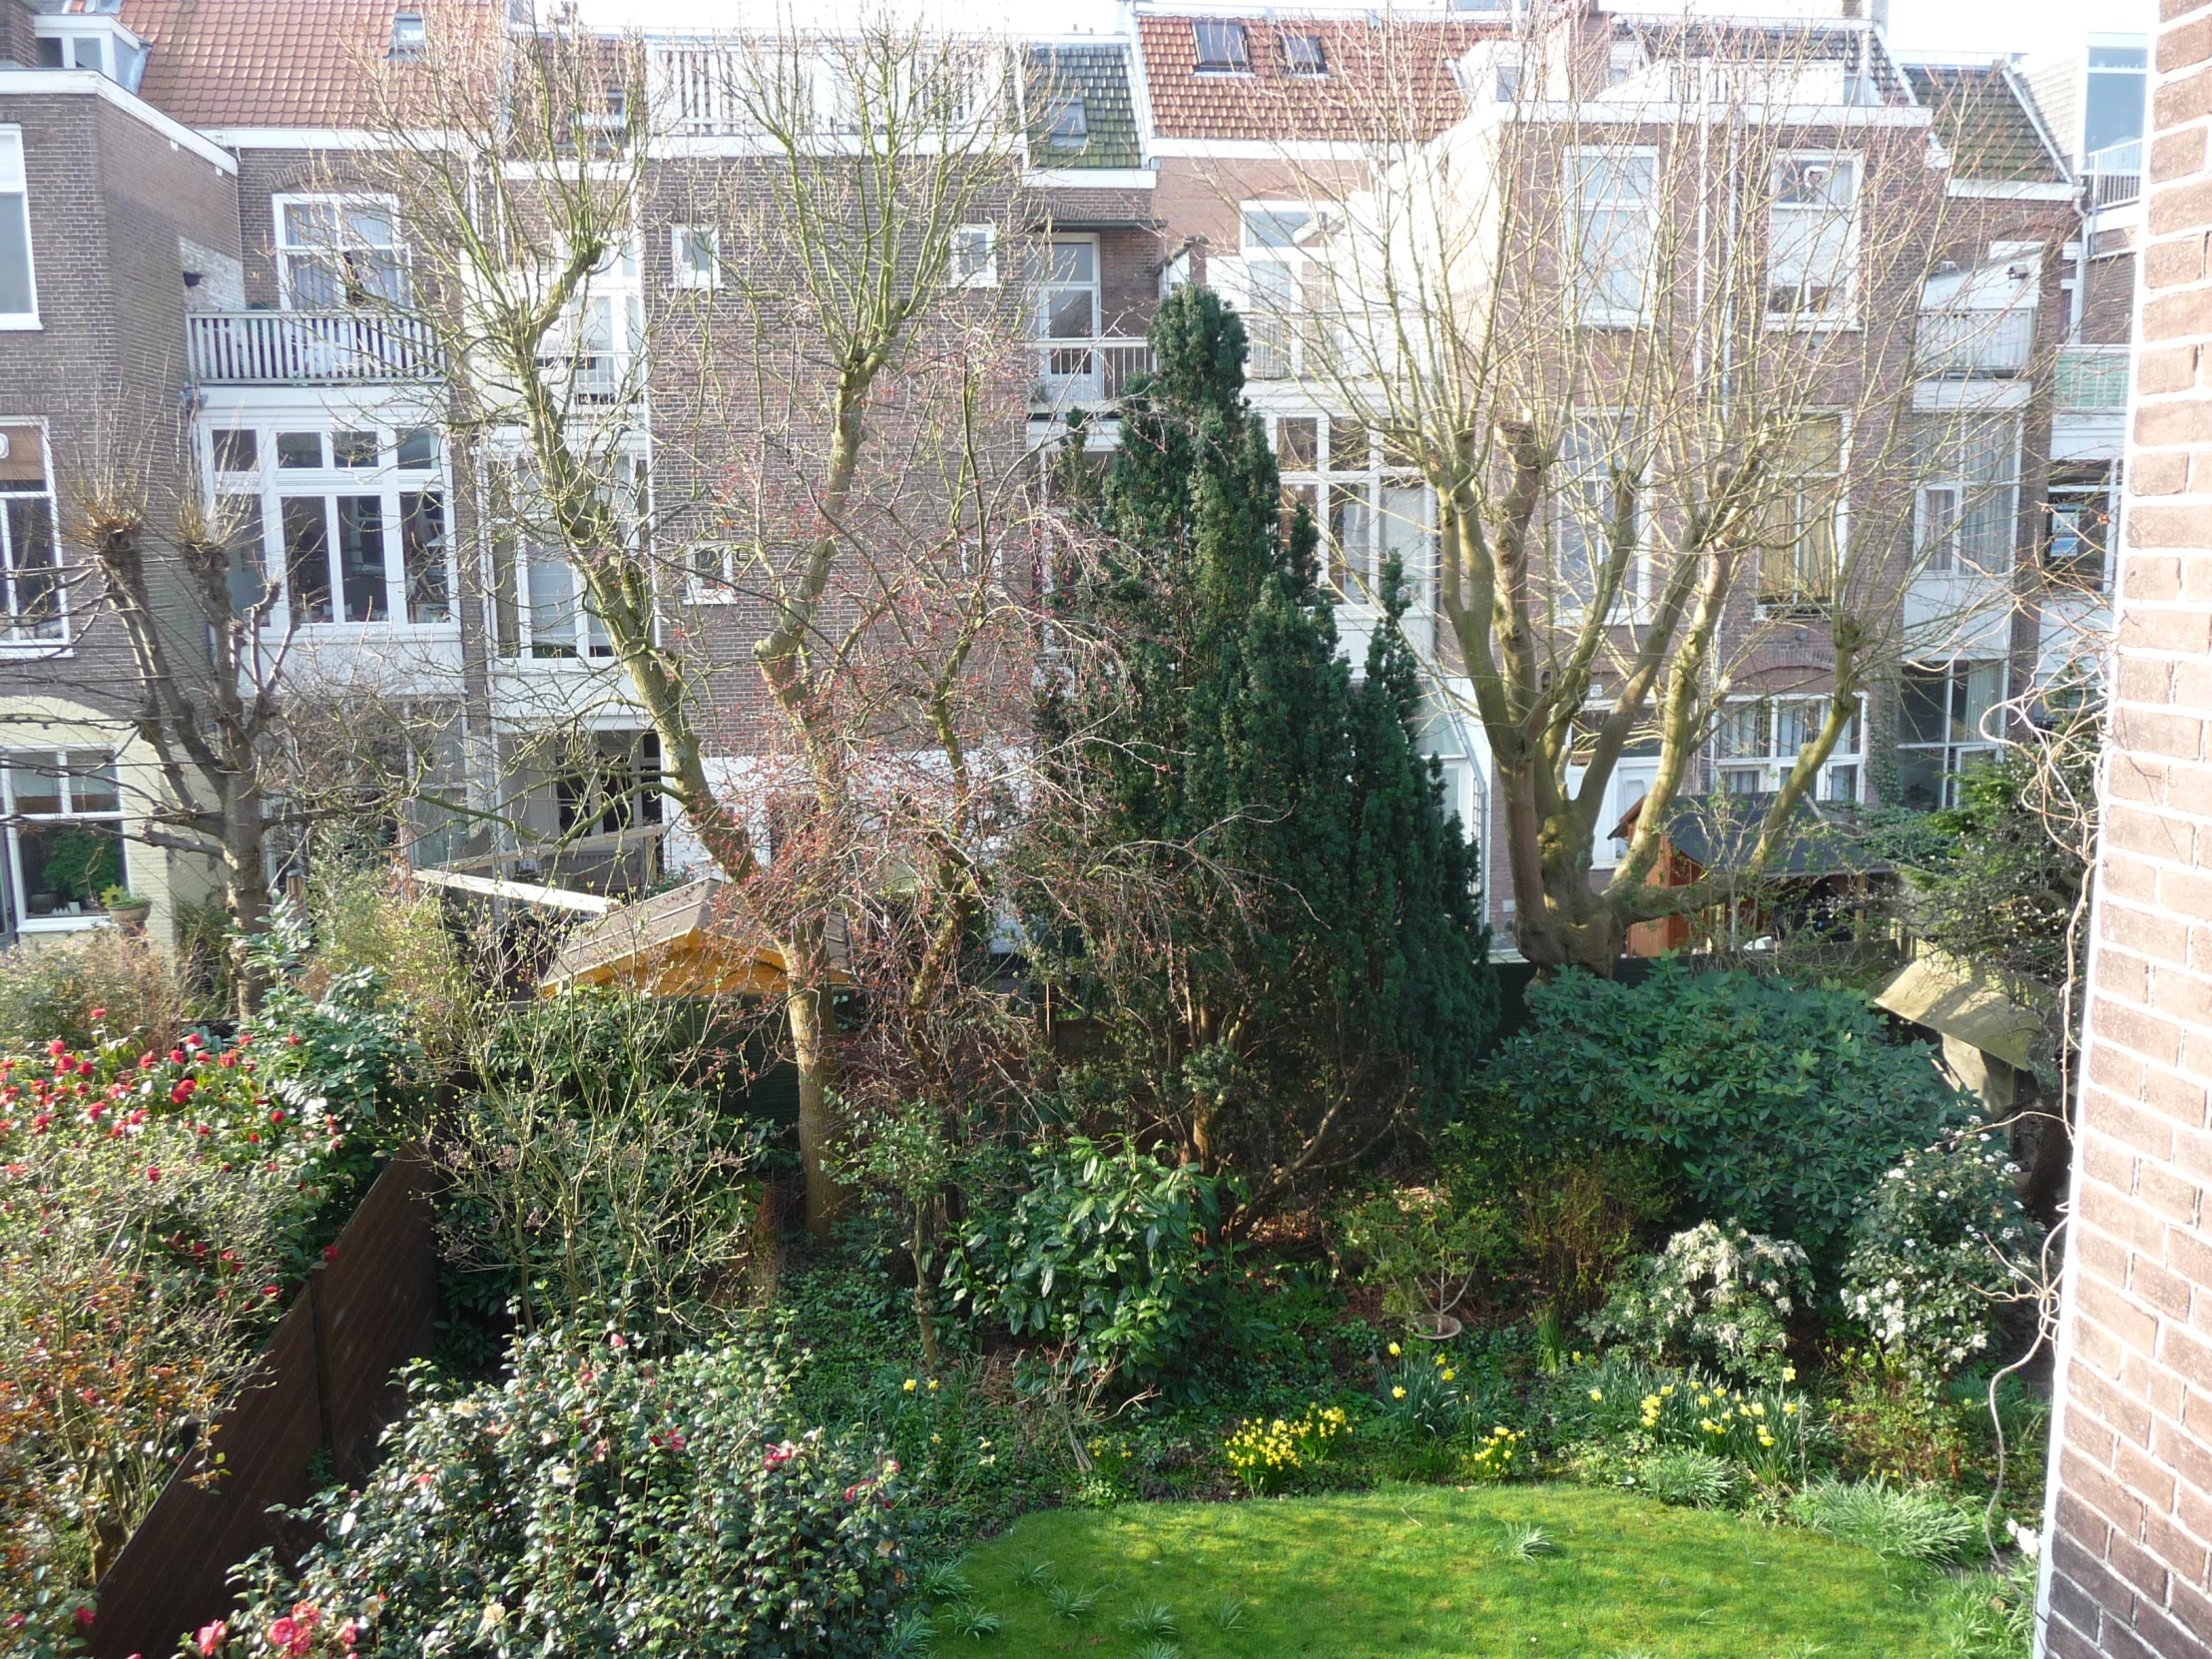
(274,63)
(1379,78)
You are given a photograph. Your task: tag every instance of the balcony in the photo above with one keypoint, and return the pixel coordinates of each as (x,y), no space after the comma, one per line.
(2114,174)
(1977,344)
(2091,378)
(307,348)
(1079,374)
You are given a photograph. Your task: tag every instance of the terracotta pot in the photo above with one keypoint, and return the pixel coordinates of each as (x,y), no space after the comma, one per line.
(131,918)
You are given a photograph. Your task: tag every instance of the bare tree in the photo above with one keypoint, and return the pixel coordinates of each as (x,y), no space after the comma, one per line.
(821,372)
(1635,318)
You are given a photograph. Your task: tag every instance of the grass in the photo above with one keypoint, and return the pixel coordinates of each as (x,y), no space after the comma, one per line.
(1418,1573)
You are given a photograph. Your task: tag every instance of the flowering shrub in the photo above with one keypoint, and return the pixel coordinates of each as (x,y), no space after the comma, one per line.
(1930,1271)
(1498,1457)
(1269,1455)
(597,1503)
(156,1205)
(1716,1295)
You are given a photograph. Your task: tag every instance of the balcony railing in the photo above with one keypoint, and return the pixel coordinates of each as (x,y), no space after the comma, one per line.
(2115,174)
(1973,344)
(1076,373)
(302,348)
(2091,378)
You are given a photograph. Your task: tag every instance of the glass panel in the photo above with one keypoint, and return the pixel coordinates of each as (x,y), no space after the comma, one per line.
(354,450)
(37,779)
(418,450)
(2114,111)
(1843,782)
(38,586)
(317,283)
(66,866)
(1924,705)
(307,558)
(1071,315)
(1351,540)
(236,450)
(1074,261)
(1797,723)
(1295,442)
(422,548)
(552,598)
(310,223)
(362,558)
(16,294)
(1742,735)
(1347,444)
(92,782)
(1984,689)
(1408,529)
(239,519)
(1939,524)
(300,449)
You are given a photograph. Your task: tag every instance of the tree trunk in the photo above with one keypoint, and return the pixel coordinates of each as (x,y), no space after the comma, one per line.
(245,892)
(814,1024)
(925,1314)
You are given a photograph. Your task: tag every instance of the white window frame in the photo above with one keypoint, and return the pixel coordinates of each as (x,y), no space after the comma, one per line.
(1286,326)
(1936,526)
(1237,63)
(589,647)
(1349,574)
(1592,310)
(14,637)
(684,241)
(1629,603)
(17,821)
(962,268)
(710,569)
(1772,761)
(286,251)
(1839,527)
(15,197)
(271,485)
(1842,315)
(1954,751)
(1070,367)
(1982,533)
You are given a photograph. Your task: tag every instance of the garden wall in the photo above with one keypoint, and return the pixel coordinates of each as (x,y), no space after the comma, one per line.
(2128,1562)
(324,1384)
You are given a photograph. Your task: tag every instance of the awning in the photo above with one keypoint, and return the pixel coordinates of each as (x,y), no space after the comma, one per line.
(1999,1016)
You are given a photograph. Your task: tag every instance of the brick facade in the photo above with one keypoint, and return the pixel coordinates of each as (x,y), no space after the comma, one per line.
(2129,1555)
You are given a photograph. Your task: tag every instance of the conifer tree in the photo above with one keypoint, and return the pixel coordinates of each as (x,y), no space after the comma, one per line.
(1315,977)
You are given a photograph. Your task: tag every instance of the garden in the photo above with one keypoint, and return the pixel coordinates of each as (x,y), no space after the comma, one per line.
(1143,1223)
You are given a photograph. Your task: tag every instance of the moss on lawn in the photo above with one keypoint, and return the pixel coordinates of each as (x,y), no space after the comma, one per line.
(1408,1573)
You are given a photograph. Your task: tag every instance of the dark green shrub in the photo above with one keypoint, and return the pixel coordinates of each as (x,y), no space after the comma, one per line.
(1105,1247)
(1775,1105)
(600,1503)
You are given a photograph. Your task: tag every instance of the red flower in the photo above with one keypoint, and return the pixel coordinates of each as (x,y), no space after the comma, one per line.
(58,1048)
(192,1039)
(84,1618)
(291,1039)
(183,1091)
(100,1013)
(270,1289)
(277,1116)
(146,1061)
(282,1634)
(176,1057)
(330,1252)
(152,1174)
(229,1057)
(211,1635)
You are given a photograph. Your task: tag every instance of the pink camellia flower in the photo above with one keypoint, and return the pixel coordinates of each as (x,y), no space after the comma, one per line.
(192,1039)
(84,1618)
(152,1174)
(176,1057)
(183,1091)
(282,1633)
(148,1061)
(291,1039)
(277,1116)
(211,1635)
(229,1057)
(348,1633)
(58,1048)
(100,1013)
(615,1341)
(779,1454)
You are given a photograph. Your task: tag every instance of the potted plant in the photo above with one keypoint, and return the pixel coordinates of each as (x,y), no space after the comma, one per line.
(126,909)
(1424,1249)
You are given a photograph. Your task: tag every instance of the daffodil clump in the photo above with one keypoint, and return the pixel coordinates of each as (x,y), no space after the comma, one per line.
(1499,1456)
(1637,1409)
(1422,1394)
(1266,1453)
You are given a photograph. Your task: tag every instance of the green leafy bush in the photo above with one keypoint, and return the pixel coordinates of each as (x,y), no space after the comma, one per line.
(1716,1295)
(597,1503)
(1105,1247)
(1934,1254)
(1424,1246)
(1775,1105)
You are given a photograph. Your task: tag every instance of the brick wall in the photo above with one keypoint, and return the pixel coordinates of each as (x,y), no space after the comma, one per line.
(2128,1565)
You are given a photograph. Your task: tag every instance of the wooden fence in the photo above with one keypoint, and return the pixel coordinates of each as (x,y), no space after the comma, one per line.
(325,1382)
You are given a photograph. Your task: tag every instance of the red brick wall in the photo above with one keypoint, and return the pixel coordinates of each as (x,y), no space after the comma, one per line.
(2129,1555)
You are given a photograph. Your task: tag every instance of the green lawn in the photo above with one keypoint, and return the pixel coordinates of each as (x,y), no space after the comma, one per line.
(1417,1572)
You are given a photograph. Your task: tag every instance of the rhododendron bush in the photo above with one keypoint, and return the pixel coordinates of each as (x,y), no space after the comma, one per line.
(157,1208)
(597,1501)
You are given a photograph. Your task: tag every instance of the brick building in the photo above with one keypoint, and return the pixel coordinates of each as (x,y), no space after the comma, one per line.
(1177,149)
(2128,1557)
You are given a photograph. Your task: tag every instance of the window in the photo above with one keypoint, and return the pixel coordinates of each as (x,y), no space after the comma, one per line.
(1303,55)
(1757,741)
(1798,533)
(18,287)
(975,257)
(408,39)
(1369,508)
(695,251)
(65,834)
(1944,725)
(30,567)
(616,787)
(1067,123)
(339,253)
(713,573)
(2077,522)
(1596,455)
(542,607)
(1221,47)
(1812,237)
(1288,287)
(1613,194)
(1967,495)
(1068,311)
(357,538)
(594,357)
(1506,86)
(2113,103)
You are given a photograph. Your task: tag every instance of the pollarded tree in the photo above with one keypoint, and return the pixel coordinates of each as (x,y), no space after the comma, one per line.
(1306,973)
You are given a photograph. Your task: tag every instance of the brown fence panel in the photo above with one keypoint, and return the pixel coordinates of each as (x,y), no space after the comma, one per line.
(324,1380)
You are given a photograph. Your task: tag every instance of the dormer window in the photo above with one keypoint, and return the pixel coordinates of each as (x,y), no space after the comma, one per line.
(1221,47)
(106,48)
(1303,55)
(1067,123)
(409,39)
